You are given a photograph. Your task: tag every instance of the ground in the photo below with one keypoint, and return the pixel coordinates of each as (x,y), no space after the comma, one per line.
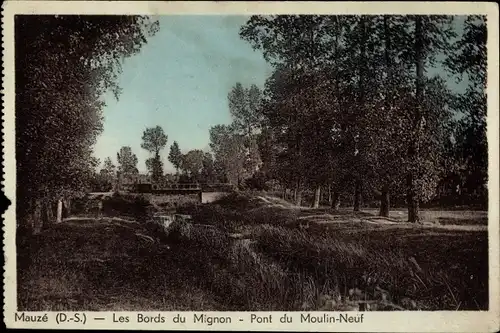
(301,259)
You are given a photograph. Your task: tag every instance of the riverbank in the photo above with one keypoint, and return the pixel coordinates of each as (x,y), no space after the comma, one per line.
(301,259)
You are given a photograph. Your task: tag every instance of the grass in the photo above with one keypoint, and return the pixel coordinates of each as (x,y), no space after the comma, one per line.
(281,261)
(444,217)
(91,265)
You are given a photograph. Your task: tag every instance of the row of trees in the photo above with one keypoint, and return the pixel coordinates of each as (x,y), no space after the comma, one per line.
(234,155)
(193,166)
(350,106)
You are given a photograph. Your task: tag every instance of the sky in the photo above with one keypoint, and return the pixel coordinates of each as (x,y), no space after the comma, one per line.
(180,80)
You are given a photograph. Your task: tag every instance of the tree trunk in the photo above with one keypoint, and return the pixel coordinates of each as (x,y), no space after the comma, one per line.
(49,213)
(317,196)
(413,150)
(329,194)
(384,196)
(67,207)
(336,200)
(298,194)
(59,211)
(298,198)
(37,217)
(357,196)
(412,201)
(413,215)
(384,202)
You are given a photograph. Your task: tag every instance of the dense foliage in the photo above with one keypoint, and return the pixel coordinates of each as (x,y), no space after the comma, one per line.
(351,107)
(154,140)
(64,65)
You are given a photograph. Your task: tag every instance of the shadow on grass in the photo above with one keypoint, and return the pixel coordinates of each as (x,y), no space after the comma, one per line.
(97,265)
(438,269)
(462,221)
(116,265)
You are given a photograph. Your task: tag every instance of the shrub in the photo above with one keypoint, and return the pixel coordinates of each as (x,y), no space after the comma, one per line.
(80,205)
(257,182)
(137,206)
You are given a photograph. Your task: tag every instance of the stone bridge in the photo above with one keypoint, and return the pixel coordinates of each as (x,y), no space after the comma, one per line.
(178,194)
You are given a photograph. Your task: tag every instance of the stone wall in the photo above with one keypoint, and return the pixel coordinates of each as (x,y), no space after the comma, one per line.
(174,200)
(207,197)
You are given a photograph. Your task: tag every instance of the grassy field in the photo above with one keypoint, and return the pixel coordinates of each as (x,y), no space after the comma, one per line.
(300,259)
(443,217)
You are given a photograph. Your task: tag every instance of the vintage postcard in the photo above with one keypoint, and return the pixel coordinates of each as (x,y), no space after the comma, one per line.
(234,166)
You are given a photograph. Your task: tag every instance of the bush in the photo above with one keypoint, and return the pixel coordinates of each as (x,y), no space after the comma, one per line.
(257,182)
(80,205)
(237,201)
(216,215)
(137,206)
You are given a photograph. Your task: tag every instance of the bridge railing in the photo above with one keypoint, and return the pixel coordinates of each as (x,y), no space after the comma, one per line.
(217,187)
(192,186)
(146,187)
(186,186)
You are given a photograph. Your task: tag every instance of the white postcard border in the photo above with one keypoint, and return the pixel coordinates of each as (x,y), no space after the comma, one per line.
(437,321)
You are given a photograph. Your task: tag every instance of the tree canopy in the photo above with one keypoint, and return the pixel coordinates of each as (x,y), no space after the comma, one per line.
(64,65)
(154,140)
(350,104)
(175,156)
(127,161)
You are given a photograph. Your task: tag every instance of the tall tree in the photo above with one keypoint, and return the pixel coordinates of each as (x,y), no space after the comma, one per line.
(229,152)
(154,165)
(295,46)
(244,107)
(108,170)
(64,65)
(192,163)
(175,156)
(208,172)
(154,140)
(431,35)
(469,61)
(389,94)
(359,40)
(127,161)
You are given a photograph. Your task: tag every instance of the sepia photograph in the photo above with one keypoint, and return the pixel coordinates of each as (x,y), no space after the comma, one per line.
(251,162)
